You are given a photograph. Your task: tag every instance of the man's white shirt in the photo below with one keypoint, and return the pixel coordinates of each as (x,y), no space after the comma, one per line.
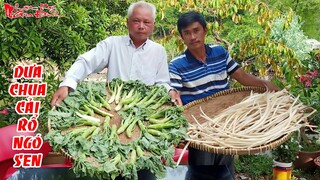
(147,63)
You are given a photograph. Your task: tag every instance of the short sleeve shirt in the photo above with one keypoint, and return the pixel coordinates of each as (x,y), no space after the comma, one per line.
(195,79)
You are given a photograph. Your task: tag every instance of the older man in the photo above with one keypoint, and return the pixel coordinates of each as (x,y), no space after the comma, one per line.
(130,57)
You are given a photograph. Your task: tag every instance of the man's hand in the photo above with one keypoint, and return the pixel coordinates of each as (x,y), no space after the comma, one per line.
(251,80)
(175,97)
(271,87)
(59,96)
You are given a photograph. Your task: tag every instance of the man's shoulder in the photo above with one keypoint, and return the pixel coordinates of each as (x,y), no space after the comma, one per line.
(216,48)
(181,58)
(111,41)
(155,44)
(115,38)
(212,46)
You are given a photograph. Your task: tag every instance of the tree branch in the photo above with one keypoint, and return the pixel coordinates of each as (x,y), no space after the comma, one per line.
(220,40)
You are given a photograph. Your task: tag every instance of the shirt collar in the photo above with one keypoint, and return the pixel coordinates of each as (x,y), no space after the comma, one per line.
(191,58)
(130,43)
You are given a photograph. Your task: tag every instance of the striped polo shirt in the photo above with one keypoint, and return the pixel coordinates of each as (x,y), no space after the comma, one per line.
(195,79)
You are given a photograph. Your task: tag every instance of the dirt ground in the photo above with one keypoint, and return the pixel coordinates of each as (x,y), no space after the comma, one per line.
(101,76)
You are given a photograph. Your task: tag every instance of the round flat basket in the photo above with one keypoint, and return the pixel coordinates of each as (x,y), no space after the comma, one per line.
(110,130)
(215,104)
(116,119)
(62,151)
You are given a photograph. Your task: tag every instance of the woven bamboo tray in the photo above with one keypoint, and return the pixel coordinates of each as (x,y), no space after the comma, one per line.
(116,119)
(216,103)
(123,141)
(63,152)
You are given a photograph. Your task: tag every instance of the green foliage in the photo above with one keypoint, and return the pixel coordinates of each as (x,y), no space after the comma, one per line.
(80,27)
(242,31)
(306,82)
(83,23)
(51,77)
(254,165)
(6,101)
(11,118)
(59,40)
(163,26)
(292,36)
(306,174)
(309,144)
(4,73)
(288,151)
(307,87)
(307,10)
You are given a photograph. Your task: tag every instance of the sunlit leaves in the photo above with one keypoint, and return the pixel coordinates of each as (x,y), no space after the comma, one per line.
(256,51)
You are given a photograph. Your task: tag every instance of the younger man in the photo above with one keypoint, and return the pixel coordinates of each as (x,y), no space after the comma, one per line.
(203,70)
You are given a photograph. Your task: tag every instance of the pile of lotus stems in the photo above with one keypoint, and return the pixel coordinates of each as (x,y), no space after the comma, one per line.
(257,120)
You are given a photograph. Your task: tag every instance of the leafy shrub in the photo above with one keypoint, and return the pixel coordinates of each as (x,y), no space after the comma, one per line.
(254,165)
(288,151)
(80,27)
(292,36)
(308,87)
(58,40)
(305,85)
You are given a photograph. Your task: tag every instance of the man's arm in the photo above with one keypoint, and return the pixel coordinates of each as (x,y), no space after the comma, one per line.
(92,61)
(163,78)
(251,80)
(176,84)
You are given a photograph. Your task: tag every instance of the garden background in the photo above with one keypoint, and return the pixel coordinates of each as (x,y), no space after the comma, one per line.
(268,39)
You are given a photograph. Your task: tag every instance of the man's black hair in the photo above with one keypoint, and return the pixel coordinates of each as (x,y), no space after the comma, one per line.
(190,17)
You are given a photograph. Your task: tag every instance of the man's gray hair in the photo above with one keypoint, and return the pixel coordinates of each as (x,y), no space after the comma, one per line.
(142,4)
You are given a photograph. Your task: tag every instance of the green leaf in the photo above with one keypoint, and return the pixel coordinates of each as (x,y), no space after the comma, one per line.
(28,55)
(39,54)
(13,53)
(12,30)
(5,54)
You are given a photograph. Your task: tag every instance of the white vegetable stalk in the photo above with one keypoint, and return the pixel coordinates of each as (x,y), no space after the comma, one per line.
(89,118)
(257,120)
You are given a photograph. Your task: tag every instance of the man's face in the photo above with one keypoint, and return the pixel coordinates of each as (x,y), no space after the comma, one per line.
(140,24)
(193,35)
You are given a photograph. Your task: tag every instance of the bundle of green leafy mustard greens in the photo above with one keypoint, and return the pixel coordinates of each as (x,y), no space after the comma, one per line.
(117,129)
